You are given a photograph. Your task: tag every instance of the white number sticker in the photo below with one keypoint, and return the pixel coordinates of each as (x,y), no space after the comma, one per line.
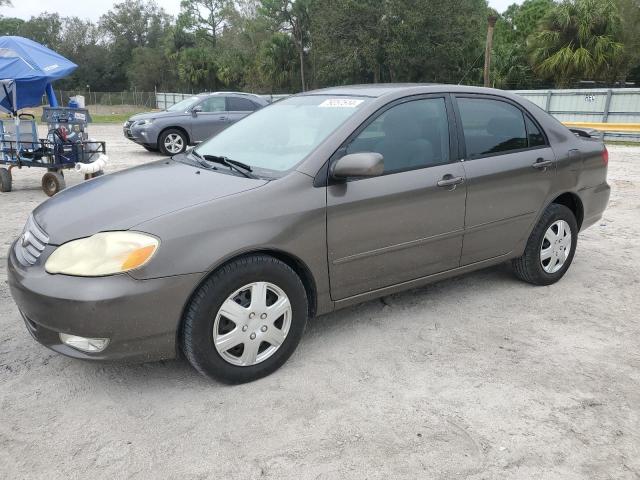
(341,103)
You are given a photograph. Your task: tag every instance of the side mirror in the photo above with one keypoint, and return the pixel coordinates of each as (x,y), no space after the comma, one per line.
(196,110)
(358,165)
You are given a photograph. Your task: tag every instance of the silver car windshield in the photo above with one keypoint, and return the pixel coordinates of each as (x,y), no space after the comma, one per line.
(183,105)
(281,135)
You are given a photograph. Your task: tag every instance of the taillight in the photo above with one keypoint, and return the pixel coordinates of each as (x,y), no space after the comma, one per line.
(605,156)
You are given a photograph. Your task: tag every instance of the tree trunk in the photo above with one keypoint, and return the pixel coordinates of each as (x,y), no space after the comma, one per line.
(301,51)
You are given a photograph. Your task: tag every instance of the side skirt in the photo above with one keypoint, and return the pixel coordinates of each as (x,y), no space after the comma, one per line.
(418,282)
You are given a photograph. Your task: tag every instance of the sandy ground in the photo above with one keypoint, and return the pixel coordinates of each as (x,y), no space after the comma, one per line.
(478,377)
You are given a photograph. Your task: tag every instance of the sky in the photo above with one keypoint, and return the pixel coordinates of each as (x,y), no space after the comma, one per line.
(92,9)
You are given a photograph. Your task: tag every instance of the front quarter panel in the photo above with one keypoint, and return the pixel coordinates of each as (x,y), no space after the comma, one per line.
(286,215)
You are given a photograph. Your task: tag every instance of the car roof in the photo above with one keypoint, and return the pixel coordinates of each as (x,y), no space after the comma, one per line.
(228,93)
(382,89)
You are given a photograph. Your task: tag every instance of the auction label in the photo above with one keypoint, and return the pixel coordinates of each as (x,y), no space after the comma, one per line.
(341,103)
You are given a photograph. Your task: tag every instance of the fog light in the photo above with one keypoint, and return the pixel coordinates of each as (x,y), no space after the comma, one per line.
(91,345)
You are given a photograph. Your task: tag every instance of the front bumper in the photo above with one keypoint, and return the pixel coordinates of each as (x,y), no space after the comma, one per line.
(140,317)
(141,135)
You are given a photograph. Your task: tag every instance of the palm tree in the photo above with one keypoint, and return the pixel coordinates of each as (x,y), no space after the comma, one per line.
(577,39)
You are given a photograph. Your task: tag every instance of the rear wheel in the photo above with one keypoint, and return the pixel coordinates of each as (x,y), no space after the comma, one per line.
(5,180)
(172,142)
(52,183)
(550,248)
(246,320)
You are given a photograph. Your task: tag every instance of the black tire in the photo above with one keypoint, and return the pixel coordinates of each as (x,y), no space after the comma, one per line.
(149,148)
(529,267)
(5,180)
(197,330)
(172,132)
(52,183)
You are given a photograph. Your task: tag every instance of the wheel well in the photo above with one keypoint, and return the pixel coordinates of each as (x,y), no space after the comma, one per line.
(296,265)
(301,270)
(186,134)
(573,203)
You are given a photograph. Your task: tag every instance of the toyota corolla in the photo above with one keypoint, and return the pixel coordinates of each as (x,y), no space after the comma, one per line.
(320,201)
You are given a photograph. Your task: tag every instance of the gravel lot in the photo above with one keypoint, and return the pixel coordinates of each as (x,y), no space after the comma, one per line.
(477,377)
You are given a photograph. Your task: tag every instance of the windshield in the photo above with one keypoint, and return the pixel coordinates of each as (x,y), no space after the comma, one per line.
(281,135)
(183,105)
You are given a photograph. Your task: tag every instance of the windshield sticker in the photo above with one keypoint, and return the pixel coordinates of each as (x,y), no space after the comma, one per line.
(341,103)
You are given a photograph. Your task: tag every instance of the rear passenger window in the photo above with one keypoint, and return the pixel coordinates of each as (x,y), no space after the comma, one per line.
(536,139)
(235,104)
(410,135)
(491,127)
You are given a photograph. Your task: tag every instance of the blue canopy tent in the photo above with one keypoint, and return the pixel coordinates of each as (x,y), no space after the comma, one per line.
(27,70)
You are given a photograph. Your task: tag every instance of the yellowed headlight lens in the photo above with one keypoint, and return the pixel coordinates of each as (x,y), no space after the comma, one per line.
(105,253)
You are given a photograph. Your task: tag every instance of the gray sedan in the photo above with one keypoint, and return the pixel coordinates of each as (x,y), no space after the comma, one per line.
(190,121)
(317,202)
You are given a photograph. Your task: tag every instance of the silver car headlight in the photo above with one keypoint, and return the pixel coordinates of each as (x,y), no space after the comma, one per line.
(142,123)
(105,253)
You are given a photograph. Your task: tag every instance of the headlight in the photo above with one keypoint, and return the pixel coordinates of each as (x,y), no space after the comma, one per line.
(105,253)
(141,123)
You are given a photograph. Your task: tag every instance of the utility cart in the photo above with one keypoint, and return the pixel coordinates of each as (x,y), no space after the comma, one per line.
(27,70)
(67,146)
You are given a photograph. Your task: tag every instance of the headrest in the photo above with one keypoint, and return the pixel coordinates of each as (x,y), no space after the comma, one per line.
(400,125)
(505,127)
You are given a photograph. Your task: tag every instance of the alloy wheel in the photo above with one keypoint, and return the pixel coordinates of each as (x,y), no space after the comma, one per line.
(173,143)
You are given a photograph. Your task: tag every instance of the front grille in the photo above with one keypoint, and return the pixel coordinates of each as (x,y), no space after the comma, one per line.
(31,243)
(128,124)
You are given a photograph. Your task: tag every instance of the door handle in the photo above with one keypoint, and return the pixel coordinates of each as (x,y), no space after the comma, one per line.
(223,117)
(541,163)
(450,181)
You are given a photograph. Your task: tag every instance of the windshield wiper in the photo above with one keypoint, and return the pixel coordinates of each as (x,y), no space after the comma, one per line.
(239,167)
(201,160)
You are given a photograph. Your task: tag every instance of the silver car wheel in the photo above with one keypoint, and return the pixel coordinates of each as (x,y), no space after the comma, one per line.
(556,246)
(252,324)
(173,143)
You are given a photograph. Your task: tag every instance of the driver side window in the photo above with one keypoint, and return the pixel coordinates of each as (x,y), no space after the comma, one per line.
(410,135)
(213,104)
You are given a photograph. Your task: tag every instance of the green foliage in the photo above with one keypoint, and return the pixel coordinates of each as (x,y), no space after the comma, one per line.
(394,41)
(276,46)
(510,66)
(578,40)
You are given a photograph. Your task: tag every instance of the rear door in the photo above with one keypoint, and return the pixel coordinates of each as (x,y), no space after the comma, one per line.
(210,120)
(238,108)
(509,166)
(407,223)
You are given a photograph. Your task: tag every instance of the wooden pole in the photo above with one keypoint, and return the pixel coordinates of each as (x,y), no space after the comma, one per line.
(488,47)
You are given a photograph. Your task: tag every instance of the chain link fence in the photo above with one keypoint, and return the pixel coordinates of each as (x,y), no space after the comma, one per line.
(107,103)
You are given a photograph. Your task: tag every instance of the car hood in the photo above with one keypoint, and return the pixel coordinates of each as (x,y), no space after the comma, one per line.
(154,115)
(122,200)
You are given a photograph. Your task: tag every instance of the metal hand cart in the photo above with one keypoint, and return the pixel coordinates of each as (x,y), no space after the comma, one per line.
(66,145)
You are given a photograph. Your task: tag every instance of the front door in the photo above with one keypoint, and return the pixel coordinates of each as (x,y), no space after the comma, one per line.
(508,166)
(210,120)
(407,223)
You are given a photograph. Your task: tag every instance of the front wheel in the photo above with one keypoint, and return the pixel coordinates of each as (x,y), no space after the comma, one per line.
(550,248)
(246,320)
(5,180)
(172,142)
